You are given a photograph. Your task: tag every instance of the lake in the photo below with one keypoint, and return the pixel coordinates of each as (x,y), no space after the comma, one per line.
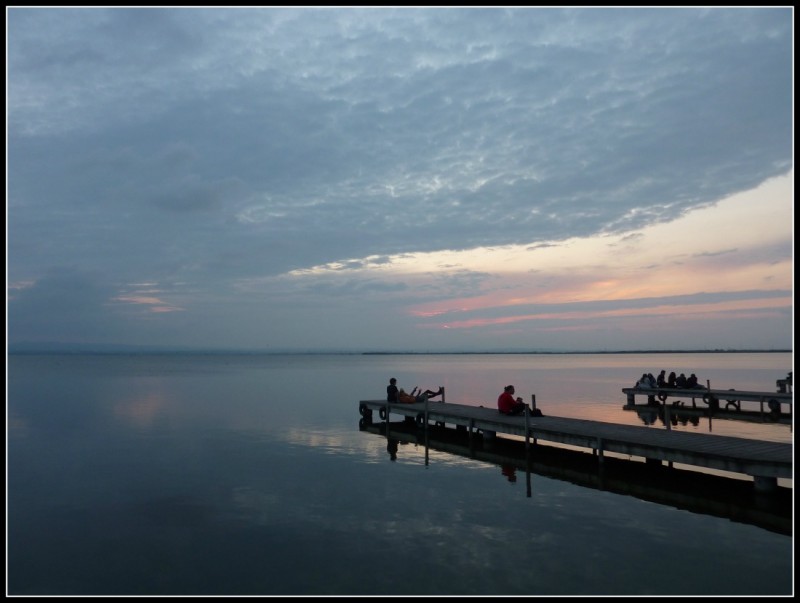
(248,474)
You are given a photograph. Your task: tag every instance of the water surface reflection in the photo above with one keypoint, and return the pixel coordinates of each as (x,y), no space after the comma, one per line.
(244,476)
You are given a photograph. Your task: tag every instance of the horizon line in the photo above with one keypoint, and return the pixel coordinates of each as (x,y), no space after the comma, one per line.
(52,348)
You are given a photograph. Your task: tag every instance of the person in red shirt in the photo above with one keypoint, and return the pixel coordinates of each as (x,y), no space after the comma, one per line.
(506,403)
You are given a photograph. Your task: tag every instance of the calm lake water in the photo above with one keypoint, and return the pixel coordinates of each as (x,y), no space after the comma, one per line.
(249,475)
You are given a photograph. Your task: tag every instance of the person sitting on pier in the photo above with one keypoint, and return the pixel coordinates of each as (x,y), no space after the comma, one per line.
(646,382)
(506,403)
(691,382)
(391,390)
(416,395)
(662,382)
(405,398)
(394,395)
(680,382)
(432,394)
(672,380)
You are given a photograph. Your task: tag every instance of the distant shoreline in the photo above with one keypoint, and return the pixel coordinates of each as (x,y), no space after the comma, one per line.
(593,352)
(32,351)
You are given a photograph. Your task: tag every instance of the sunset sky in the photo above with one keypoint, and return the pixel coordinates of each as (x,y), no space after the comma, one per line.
(351,179)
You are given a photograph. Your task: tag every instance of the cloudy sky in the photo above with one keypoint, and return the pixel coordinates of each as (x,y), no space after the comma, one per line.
(401,179)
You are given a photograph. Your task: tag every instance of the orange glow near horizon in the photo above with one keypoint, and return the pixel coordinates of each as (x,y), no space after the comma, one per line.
(683,312)
(718,251)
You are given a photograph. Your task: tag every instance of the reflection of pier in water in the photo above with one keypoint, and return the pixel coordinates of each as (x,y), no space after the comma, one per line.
(671,415)
(730,498)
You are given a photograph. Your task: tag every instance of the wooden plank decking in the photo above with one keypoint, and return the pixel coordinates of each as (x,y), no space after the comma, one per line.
(764,461)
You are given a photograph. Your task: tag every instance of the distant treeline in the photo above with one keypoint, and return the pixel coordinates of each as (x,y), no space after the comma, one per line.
(590,352)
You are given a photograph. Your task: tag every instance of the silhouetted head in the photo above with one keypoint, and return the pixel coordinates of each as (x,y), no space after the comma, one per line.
(392,381)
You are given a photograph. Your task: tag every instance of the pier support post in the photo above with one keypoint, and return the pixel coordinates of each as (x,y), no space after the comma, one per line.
(528,478)
(527,430)
(765,484)
(426,431)
(471,437)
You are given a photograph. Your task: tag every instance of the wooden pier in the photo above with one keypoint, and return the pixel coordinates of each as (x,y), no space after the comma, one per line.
(764,461)
(732,398)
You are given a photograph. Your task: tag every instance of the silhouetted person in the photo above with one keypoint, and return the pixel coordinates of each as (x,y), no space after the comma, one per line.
(411,398)
(391,390)
(506,403)
(432,394)
(651,400)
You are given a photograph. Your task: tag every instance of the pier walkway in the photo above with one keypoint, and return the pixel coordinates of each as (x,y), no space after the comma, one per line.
(764,461)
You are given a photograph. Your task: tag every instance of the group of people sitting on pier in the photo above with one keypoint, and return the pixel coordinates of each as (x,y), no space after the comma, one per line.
(647,381)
